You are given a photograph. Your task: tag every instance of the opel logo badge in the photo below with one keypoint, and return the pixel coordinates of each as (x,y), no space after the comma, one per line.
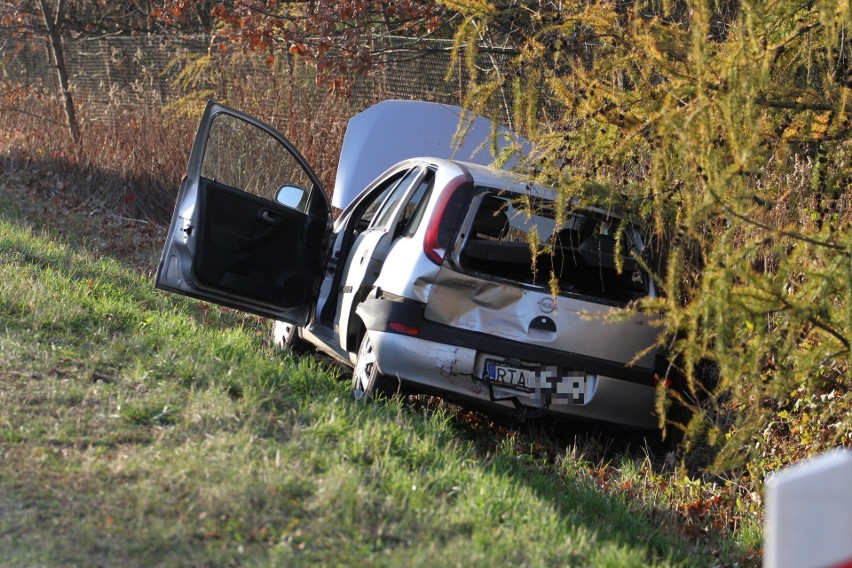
(547,305)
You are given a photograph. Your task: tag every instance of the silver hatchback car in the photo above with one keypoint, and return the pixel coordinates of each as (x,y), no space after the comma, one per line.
(430,279)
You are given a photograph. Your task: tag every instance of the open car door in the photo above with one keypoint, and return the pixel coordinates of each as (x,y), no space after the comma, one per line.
(250,221)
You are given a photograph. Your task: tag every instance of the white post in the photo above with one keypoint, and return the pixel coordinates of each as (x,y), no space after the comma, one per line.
(809,514)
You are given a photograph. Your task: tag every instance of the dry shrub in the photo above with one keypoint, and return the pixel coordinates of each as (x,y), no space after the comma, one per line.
(283,92)
(134,158)
(134,147)
(130,157)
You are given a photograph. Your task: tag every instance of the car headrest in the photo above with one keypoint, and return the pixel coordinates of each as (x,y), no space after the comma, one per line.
(491,220)
(568,238)
(599,250)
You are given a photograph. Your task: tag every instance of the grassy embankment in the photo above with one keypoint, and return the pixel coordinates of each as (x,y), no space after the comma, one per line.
(144,429)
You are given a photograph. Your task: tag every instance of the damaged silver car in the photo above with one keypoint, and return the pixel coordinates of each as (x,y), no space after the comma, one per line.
(437,275)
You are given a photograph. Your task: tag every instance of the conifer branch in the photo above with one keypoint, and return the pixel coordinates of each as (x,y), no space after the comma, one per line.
(796,236)
(829,330)
(795,105)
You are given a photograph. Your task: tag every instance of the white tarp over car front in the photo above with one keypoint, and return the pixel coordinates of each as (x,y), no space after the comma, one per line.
(392,131)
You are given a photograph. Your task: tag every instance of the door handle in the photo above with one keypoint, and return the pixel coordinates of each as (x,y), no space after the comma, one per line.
(268,218)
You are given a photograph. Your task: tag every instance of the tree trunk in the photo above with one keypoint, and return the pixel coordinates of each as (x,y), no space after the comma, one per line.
(52,26)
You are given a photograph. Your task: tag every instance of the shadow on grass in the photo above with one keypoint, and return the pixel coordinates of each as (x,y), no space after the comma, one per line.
(97,210)
(142,195)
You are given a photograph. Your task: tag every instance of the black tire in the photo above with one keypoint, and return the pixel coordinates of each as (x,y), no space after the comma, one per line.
(285,337)
(367,382)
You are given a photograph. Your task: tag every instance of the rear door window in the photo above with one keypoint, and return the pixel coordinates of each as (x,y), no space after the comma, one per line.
(385,214)
(412,215)
(377,198)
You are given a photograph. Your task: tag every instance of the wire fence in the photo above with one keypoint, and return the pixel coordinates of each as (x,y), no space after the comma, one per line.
(150,70)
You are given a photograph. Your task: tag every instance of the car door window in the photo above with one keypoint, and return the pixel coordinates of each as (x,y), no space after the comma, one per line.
(416,206)
(385,214)
(371,204)
(242,156)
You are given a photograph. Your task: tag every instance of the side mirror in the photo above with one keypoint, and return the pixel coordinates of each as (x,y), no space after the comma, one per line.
(291,196)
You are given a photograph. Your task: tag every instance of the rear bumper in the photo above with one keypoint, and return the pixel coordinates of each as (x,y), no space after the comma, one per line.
(443,359)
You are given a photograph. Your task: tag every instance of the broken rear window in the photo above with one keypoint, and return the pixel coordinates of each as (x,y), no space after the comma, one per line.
(579,254)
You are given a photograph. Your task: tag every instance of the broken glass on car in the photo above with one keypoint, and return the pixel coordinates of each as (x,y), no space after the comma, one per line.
(589,253)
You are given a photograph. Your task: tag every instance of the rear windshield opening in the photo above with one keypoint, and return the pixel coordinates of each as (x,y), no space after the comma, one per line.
(581,252)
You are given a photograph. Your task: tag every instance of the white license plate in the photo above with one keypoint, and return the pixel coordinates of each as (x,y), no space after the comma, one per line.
(522,378)
(557,384)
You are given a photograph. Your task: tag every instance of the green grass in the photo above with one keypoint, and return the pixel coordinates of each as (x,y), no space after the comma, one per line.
(143,429)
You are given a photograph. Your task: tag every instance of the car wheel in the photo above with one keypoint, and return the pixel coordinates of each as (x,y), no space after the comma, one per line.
(285,336)
(367,382)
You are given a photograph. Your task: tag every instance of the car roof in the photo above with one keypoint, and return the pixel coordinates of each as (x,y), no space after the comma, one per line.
(506,180)
(516,183)
(485,176)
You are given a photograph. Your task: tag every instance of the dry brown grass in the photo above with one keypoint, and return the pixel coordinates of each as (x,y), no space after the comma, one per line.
(133,151)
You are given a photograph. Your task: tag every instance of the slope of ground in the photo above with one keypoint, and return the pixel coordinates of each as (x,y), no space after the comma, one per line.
(142,429)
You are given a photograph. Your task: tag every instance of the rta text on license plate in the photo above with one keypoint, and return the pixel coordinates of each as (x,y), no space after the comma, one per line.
(517,377)
(552,383)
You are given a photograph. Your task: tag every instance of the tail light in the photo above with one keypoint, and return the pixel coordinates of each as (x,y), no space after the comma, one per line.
(445,219)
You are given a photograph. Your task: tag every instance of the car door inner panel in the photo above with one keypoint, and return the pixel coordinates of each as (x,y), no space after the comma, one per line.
(241,239)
